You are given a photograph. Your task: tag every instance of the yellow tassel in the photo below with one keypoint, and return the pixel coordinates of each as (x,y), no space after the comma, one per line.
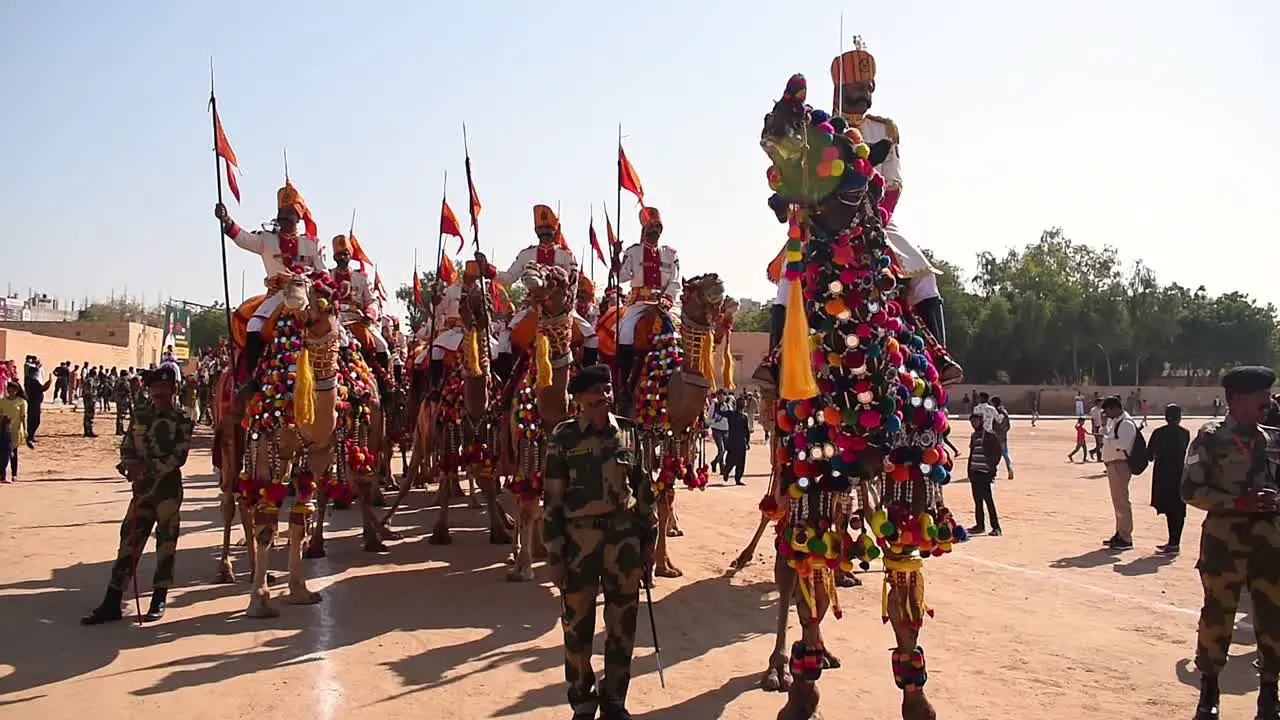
(707,368)
(806,592)
(829,584)
(542,361)
(304,391)
(471,353)
(726,363)
(797,381)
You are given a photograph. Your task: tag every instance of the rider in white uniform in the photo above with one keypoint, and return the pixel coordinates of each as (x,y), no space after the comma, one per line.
(653,272)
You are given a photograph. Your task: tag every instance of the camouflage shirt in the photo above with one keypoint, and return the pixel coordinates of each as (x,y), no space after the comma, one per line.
(593,473)
(160,440)
(1226,461)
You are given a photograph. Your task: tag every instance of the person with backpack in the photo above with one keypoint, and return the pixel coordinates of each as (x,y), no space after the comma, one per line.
(1000,425)
(1124,454)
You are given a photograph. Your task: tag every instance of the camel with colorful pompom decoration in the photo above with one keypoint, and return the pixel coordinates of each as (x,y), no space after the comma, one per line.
(861,414)
(545,340)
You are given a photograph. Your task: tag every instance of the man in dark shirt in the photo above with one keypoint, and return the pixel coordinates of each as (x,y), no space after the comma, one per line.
(737,440)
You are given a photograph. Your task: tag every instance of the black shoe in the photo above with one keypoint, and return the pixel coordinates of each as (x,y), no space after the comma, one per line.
(1207,706)
(1121,544)
(1111,540)
(108,611)
(996,532)
(156,611)
(976,530)
(584,716)
(612,713)
(1268,702)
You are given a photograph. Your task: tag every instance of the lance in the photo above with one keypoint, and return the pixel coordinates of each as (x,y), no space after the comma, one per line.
(222,235)
(616,270)
(431,335)
(474,211)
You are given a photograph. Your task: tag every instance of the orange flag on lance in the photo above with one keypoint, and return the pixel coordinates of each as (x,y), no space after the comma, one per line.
(608,228)
(595,241)
(449,224)
(627,178)
(357,252)
(228,155)
(417,289)
(448,274)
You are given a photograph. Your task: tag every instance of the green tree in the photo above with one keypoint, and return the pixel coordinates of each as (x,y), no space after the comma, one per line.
(208,328)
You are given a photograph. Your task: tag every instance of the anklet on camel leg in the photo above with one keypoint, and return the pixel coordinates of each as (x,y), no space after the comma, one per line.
(806,663)
(909,672)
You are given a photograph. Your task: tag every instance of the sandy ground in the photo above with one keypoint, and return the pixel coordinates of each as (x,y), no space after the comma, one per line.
(1041,623)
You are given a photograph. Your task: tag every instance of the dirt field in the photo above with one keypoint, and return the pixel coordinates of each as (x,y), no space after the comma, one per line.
(1040,623)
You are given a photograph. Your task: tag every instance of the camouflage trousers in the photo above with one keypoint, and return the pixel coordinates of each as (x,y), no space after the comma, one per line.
(1239,552)
(122,416)
(89,411)
(158,510)
(600,553)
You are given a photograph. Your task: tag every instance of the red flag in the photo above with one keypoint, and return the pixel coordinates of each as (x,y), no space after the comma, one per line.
(449,223)
(223,148)
(417,288)
(496,291)
(475,199)
(613,239)
(595,241)
(377,286)
(448,274)
(627,178)
(357,252)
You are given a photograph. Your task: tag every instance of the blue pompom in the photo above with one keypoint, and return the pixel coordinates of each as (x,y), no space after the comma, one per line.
(892,424)
(940,475)
(961,533)
(819,116)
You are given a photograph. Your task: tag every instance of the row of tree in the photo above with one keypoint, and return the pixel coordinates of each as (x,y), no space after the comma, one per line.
(1063,312)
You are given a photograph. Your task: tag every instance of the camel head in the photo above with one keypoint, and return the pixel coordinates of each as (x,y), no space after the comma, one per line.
(550,288)
(474,308)
(702,299)
(309,298)
(815,160)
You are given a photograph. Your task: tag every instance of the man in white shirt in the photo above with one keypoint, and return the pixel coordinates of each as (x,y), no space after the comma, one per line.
(1096,418)
(987,411)
(1117,442)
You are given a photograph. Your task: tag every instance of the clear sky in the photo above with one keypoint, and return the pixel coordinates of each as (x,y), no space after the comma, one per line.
(1146,125)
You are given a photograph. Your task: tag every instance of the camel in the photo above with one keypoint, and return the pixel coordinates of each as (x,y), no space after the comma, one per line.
(306,332)
(859,425)
(541,403)
(678,394)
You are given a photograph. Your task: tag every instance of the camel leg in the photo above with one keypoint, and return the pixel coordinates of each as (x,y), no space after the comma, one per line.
(263,536)
(662,565)
(778,676)
(227,508)
(802,699)
(315,547)
(500,524)
(366,490)
(440,534)
(749,553)
(527,519)
(299,594)
(476,489)
(538,549)
(915,706)
(674,529)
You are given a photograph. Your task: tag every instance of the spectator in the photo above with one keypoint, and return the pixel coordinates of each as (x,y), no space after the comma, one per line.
(13,428)
(1116,444)
(737,440)
(1095,420)
(35,386)
(1081,446)
(1000,426)
(719,429)
(984,455)
(1167,451)
(60,383)
(1079,404)
(984,408)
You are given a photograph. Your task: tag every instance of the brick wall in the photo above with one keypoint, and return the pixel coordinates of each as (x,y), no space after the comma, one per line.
(98,343)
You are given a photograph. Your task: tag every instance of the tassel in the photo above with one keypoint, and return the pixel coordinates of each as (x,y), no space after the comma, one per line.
(705,351)
(797,380)
(471,353)
(542,361)
(726,364)
(829,584)
(304,391)
(806,592)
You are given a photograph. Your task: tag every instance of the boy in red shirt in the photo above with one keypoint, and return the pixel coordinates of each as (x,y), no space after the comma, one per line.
(1080,443)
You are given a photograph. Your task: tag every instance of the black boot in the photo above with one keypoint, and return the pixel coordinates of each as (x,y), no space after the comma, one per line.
(626,359)
(502,366)
(930,311)
(435,377)
(254,346)
(767,371)
(108,611)
(1207,707)
(156,611)
(590,356)
(1268,701)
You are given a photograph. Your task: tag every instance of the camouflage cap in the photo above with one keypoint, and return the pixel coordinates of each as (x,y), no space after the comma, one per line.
(1248,379)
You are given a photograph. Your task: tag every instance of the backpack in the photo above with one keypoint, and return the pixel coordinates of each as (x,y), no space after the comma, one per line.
(1137,453)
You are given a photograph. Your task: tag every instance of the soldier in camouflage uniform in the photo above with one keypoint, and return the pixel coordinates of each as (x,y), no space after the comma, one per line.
(599,527)
(124,402)
(89,404)
(152,454)
(1230,473)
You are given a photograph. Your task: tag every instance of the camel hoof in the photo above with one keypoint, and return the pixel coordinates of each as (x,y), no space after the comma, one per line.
(303,597)
(499,536)
(846,580)
(242,542)
(313,551)
(517,575)
(784,679)
(440,537)
(261,608)
(667,572)
(915,706)
(374,545)
(741,561)
(829,661)
(225,575)
(387,533)
(770,682)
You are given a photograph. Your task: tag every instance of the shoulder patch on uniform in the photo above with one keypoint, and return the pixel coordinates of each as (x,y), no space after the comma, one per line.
(890,127)
(579,451)
(565,429)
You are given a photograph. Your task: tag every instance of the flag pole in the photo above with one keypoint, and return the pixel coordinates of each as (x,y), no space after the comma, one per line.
(615,269)
(591,224)
(222,235)
(431,335)
(481,261)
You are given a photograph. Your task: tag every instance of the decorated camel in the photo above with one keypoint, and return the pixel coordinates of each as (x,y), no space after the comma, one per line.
(860,418)
(545,338)
(671,396)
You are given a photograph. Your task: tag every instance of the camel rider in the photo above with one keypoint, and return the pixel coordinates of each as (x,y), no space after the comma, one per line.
(283,250)
(449,332)
(551,250)
(395,345)
(357,303)
(654,273)
(503,310)
(854,76)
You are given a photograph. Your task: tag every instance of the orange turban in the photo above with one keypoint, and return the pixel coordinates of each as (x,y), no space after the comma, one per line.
(471,270)
(650,216)
(288,196)
(858,67)
(586,286)
(545,217)
(340,244)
